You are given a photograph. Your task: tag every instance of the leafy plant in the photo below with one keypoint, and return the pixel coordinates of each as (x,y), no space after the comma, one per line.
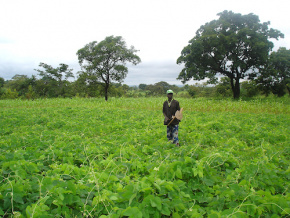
(91,158)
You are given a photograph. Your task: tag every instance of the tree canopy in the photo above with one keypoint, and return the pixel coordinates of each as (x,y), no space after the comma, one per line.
(106,60)
(275,77)
(235,45)
(54,77)
(2,81)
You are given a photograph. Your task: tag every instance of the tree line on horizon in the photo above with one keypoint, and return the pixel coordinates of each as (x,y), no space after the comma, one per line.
(233,53)
(24,87)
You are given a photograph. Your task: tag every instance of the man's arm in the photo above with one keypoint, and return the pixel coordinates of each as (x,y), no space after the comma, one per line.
(166,118)
(177,106)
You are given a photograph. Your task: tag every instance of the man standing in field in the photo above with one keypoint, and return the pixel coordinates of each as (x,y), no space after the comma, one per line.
(169,109)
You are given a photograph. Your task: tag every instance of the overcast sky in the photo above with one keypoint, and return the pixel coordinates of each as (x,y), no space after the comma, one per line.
(51,31)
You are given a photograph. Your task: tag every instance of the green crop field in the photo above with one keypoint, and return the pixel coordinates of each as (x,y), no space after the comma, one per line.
(91,158)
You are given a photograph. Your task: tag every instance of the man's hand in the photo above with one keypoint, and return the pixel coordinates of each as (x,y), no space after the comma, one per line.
(166,119)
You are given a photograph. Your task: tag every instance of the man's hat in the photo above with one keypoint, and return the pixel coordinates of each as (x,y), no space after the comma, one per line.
(169,91)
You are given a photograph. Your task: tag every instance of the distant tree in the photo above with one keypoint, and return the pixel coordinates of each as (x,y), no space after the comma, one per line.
(249,88)
(160,88)
(125,87)
(9,94)
(30,93)
(223,88)
(87,85)
(20,83)
(192,90)
(2,91)
(201,90)
(106,60)
(164,85)
(46,87)
(235,45)
(275,77)
(264,84)
(175,88)
(142,86)
(2,81)
(54,78)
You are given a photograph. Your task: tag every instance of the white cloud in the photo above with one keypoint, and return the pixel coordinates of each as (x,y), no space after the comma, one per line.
(34,31)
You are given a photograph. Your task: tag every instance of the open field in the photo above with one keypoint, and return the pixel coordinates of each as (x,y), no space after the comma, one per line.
(91,158)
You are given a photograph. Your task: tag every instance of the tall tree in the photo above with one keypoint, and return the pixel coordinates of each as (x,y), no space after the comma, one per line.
(275,76)
(55,76)
(235,45)
(106,60)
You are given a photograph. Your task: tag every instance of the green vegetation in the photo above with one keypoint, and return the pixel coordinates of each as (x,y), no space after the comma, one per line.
(235,46)
(225,52)
(106,61)
(84,157)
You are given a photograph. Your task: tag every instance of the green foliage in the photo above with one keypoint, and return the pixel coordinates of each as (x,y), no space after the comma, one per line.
(199,90)
(105,61)
(20,84)
(54,80)
(2,81)
(9,94)
(55,73)
(158,89)
(90,158)
(275,77)
(223,88)
(233,46)
(30,94)
(142,86)
(249,89)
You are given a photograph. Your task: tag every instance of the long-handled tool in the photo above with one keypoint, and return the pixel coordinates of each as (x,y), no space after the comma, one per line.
(178,115)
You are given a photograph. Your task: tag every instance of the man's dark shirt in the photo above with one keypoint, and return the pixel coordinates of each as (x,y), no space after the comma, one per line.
(170,111)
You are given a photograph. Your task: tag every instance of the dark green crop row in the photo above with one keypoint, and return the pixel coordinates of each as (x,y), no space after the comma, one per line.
(90,158)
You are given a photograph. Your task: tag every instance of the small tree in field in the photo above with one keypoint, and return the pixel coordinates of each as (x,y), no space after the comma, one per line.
(54,78)
(234,46)
(106,60)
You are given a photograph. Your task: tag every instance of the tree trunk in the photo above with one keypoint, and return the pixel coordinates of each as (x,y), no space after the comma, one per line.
(235,87)
(106,91)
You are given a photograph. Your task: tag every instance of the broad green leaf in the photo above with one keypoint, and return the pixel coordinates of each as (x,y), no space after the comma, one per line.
(251,210)
(175,215)
(132,212)
(165,210)
(286,211)
(157,186)
(178,173)
(132,198)
(61,197)
(28,211)
(113,198)
(195,171)
(156,202)
(200,173)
